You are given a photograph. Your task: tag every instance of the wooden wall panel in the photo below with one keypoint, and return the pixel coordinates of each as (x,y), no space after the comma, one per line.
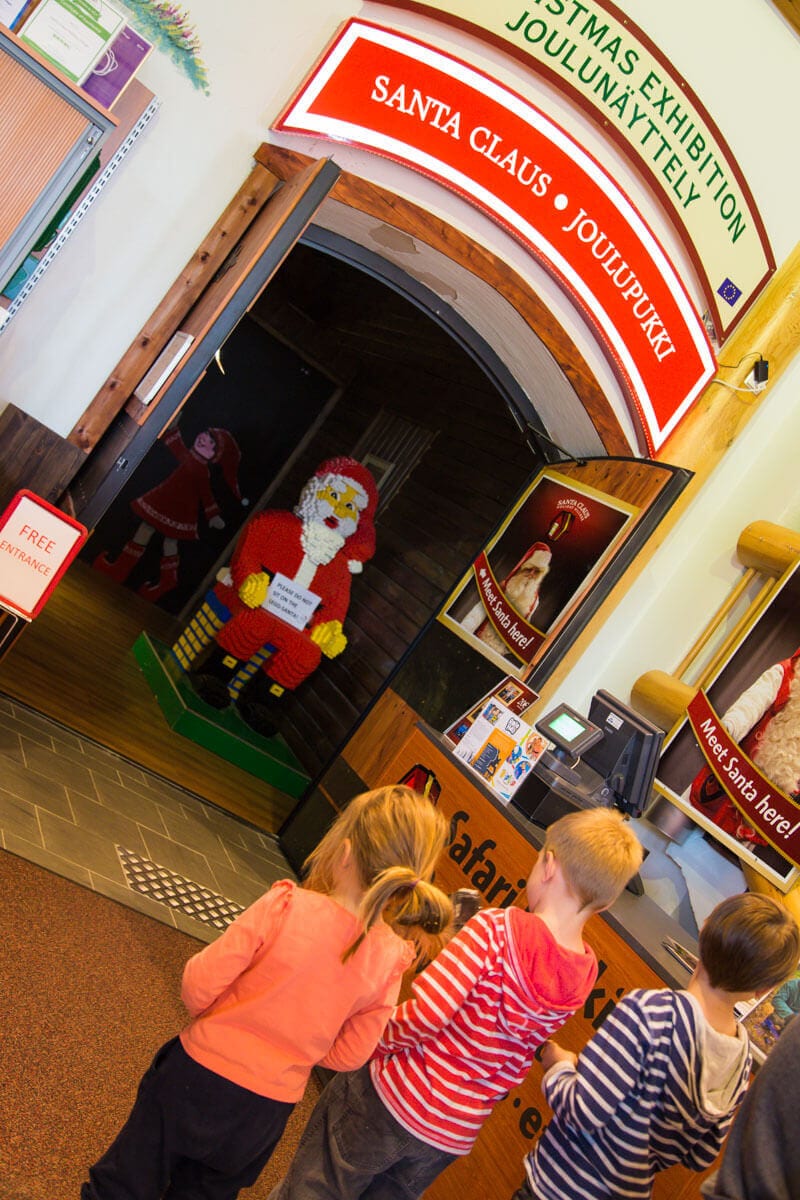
(636,483)
(385,727)
(33,457)
(153,337)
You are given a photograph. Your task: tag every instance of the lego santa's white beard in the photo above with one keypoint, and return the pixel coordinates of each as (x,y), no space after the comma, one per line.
(320,543)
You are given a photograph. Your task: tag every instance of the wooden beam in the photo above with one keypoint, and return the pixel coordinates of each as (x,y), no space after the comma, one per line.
(771,328)
(768,548)
(790,9)
(167,317)
(34,457)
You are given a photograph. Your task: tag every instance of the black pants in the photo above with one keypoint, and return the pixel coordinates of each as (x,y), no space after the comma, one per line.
(191,1135)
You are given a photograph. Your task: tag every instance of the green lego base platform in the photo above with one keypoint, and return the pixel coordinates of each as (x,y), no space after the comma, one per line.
(222,731)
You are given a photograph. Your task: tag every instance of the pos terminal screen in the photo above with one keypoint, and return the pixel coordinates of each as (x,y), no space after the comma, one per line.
(566,727)
(568,730)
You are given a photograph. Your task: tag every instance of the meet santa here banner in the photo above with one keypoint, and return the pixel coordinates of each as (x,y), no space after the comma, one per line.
(395,95)
(767,808)
(520,636)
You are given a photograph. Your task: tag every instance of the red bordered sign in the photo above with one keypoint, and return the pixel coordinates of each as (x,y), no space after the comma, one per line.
(604,63)
(37,544)
(775,815)
(407,101)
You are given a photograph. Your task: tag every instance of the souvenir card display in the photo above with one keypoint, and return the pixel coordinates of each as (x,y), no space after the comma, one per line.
(495,738)
(766,1017)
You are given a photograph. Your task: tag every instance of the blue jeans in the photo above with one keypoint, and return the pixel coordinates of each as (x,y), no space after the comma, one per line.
(353,1149)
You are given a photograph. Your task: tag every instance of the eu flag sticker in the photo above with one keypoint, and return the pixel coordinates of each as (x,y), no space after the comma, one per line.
(729,291)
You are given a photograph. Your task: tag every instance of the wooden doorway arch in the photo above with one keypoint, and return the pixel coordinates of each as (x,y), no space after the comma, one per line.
(225,279)
(418,223)
(266,217)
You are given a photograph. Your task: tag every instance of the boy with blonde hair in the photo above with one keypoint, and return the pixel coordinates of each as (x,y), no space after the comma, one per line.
(468,1035)
(660,1081)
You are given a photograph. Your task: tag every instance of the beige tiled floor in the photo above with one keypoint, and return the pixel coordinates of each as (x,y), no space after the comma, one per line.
(67,803)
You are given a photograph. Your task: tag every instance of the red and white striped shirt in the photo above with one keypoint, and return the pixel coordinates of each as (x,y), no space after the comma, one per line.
(478,1014)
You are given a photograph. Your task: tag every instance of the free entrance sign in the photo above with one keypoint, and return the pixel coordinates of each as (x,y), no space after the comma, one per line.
(37,544)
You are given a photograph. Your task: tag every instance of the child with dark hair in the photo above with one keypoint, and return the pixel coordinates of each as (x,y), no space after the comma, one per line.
(660,1081)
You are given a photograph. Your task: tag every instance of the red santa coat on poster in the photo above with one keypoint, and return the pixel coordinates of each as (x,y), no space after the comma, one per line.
(295,545)
(765,721)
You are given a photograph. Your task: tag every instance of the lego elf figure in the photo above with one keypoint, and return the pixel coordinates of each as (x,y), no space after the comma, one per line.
(173,506)
(282,604)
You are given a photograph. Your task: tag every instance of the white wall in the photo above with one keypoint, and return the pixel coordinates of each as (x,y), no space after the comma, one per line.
(694,569)
(60,347)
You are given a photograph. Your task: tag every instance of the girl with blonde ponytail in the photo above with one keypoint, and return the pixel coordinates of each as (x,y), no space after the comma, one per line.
(307,975)
(393,837)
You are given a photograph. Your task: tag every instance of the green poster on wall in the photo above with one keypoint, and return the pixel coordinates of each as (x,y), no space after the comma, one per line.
(72,34)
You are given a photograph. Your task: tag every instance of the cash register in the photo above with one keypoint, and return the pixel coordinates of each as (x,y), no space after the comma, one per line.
(609,759)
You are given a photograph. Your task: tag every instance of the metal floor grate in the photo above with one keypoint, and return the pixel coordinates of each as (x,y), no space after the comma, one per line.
(164,886)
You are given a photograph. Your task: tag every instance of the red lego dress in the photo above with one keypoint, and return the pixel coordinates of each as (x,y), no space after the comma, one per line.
(172,507)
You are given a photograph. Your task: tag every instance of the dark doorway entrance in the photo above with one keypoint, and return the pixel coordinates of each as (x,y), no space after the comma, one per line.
(398,386)
(422,406)
(258,399)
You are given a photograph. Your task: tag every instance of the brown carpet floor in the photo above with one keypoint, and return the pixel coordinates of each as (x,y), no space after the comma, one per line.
(90,991)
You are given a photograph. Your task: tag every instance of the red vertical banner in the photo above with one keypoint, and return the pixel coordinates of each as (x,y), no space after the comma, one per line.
(775,815)
(529,580)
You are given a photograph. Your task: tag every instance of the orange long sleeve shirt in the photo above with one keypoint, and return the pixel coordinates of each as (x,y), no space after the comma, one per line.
(271,997)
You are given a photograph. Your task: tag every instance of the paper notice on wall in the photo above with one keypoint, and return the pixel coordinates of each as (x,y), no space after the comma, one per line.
(72,34)
(117,66)
(9,11)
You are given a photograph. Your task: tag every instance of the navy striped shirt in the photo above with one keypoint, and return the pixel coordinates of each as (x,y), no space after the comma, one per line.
(635,1104)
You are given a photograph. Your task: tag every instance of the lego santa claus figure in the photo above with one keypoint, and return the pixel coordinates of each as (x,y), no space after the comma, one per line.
(282,603)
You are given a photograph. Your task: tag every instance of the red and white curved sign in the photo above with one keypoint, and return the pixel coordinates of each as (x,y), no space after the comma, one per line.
(403,99)
(607,65)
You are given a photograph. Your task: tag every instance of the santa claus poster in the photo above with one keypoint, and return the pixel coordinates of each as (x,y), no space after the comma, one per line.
(733,763)
(532,576)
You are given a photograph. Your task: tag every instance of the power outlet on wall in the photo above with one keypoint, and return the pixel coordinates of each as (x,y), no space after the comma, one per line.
(756,381)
